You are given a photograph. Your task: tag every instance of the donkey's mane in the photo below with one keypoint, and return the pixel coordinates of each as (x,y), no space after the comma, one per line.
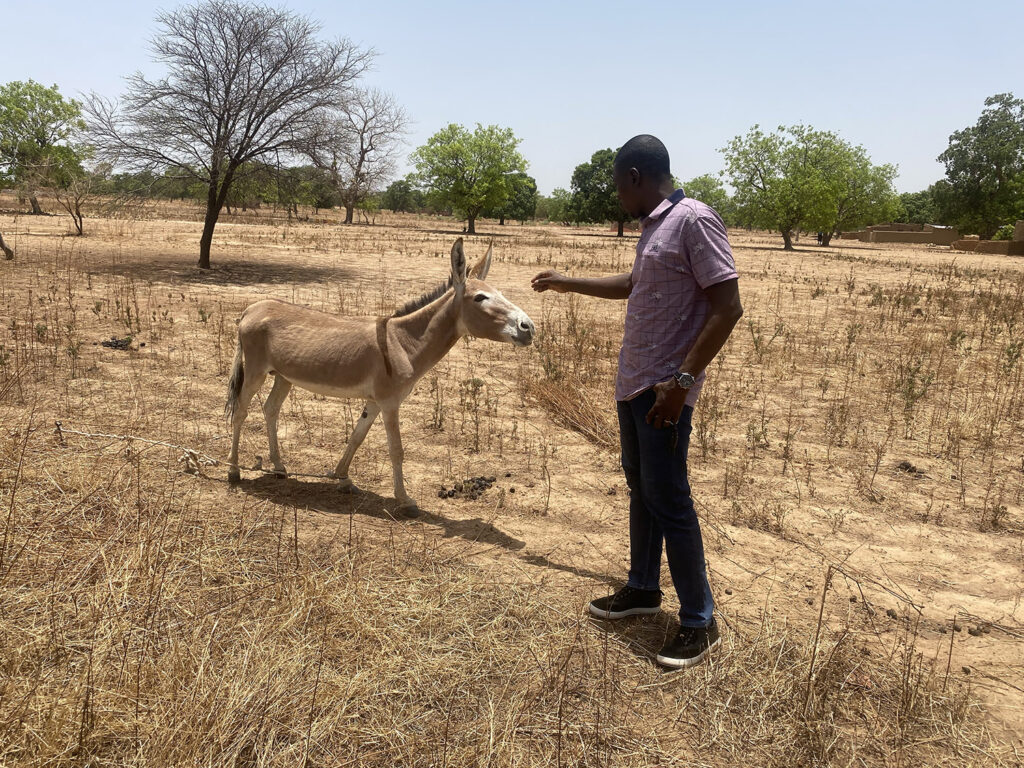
(432,295)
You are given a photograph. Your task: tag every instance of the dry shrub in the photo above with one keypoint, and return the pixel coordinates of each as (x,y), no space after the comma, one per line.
(570,404)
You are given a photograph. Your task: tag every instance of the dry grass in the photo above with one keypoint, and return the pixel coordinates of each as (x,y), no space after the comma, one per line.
(138,630)
(149,616)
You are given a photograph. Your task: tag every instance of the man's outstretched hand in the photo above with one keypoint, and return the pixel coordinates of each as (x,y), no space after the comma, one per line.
(549,280)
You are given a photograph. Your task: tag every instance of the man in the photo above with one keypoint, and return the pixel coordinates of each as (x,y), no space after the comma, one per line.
(683,304)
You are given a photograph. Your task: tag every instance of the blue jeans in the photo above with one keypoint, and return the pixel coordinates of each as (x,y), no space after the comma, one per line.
(661,510)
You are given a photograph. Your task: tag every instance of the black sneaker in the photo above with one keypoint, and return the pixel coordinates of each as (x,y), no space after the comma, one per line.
(627,602)
(690,646)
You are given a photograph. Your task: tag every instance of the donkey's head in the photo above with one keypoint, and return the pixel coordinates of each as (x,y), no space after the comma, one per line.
(484,312)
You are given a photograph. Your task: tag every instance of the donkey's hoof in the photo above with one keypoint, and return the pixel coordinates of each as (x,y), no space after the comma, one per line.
(408,508)
(234,475)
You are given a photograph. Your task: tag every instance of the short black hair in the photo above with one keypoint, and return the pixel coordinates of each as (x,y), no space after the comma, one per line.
(647,154)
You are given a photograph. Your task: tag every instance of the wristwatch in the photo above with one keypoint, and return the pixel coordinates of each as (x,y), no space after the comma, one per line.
(684,380)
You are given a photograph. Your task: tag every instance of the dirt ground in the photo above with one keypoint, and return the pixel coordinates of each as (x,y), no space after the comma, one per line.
(861,439)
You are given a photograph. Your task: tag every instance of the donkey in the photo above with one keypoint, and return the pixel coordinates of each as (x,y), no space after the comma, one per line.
(377,360)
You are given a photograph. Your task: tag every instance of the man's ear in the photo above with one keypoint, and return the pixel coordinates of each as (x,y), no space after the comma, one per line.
(482,267)
(458,267)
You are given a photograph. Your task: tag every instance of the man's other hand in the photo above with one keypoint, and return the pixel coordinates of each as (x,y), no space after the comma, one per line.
(669,400)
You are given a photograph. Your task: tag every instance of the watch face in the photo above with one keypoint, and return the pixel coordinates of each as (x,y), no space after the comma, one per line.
(685,380)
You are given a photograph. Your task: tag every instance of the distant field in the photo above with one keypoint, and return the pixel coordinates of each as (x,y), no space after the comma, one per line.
(864,427)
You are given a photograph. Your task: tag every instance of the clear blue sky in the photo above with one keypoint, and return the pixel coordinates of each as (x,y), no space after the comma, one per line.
(573,77)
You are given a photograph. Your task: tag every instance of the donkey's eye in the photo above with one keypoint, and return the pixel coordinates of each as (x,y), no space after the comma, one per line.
(480,297)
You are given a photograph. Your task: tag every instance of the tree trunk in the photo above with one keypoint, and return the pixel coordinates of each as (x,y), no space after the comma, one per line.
(213,206)
(621,224)
(471,228)
(827,238)
(36,210)
(501,221)
(8,253)
(349,210)
(787,238)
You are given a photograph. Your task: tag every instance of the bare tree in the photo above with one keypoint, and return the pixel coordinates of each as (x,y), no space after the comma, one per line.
(243,82)
(75,192)
(356,146)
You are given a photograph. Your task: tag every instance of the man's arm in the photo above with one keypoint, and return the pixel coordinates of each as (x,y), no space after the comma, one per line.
(725,311)
(611,287)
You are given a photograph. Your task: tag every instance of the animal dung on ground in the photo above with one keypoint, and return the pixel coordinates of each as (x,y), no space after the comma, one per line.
(471,488)
(115,343)
(908,468)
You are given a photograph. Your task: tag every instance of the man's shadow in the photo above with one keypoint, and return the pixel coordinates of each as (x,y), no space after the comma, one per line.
(644,636)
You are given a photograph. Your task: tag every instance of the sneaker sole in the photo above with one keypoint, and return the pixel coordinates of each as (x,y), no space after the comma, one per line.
(667,661)
(623,614)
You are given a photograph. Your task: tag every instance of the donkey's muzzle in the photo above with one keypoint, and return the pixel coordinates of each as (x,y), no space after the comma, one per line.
(525,331)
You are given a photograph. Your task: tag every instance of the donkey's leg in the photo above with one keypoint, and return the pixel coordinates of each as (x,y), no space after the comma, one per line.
(271,408)
(370,411)
(397,456)
(250,386)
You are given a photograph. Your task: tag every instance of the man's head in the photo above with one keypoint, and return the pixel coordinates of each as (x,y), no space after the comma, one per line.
(641,173)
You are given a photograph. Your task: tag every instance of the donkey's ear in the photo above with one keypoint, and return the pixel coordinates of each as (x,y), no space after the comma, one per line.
(482,267)
(458,265)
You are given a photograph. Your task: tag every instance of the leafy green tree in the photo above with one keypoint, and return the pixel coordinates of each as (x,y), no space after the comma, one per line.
(139,184)
(254,184)
(984,184)
(294,186)
(918,207)
(772,185)
(858,192)
(243,83)
(521,203)
(798,178)
(323,193)
(470,172)
(403,196)
(594,198)
(556,207)
(710,191)
(38,133)
(368,208)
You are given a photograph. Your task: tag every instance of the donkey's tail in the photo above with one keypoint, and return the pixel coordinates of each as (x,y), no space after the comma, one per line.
(235,383)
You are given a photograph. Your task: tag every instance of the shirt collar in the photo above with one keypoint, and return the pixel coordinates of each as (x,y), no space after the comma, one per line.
(664,207)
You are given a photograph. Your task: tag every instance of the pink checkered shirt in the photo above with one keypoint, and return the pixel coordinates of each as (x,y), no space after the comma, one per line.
(683,249)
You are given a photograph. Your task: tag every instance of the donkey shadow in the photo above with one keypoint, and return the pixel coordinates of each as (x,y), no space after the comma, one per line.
(327,499)
(643,636)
